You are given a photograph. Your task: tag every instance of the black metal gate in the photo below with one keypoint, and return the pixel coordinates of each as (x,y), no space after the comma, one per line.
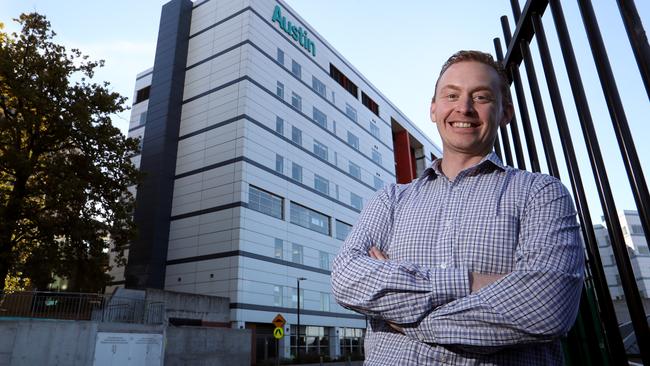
(596,338)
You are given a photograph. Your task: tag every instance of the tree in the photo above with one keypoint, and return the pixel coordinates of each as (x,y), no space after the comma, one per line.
(64,168)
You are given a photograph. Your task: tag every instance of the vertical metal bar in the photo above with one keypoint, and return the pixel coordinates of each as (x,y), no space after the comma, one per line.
(516,140)
(633,167)
(516,11)
(538,104)
(523,107)
(497,148)
(503,129)
(638,39)
(607,309)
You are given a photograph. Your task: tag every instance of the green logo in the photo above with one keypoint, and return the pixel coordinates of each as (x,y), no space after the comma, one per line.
(297,33)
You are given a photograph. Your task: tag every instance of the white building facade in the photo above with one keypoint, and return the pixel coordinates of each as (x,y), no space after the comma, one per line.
(260,145)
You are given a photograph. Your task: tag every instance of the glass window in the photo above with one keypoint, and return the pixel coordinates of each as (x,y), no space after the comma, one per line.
(142,94)
(355,170)
(310,219)
(296,172)
(324,301)
(321,184)
(376,156)
(265,202)
(296,101)
(637,229)
(356,201)
(279,249)
(318,86)
(342,230)
(277,296)
(294,299)
(351,112)
(143,118)
(324,260)
(296,69)
(280,57)
(320,150)
(296,253)
(296,135)
(374,129)
(279,164)
(353,140)
(279,125)
(334,126)
(279,90)
(378,183)
(320,117)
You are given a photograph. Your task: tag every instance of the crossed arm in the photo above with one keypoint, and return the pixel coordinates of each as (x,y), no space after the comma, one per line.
(536,302)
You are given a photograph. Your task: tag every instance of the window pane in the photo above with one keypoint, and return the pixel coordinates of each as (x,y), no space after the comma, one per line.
(296,253)
(342,230)
(296,135)
(277,296)
(353,140)
(279,90)
(296,69)
(279,164)
(296,172)
(320,117)
(374,130)
(351,112)
(321,184)
(310,219)
(324,260)
(279,125)
(320,150)
(264,202)
(376,156)
(355,170)
(143,118)
(280,57)
(324,301)
(356,201)
(378,183)
(296,101)
(279,249)
(318,86)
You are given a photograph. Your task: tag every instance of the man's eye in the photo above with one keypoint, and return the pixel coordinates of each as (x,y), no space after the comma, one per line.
(451,97)
(482,98)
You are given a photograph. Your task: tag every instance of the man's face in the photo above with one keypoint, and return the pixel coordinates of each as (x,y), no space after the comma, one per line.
(469,108)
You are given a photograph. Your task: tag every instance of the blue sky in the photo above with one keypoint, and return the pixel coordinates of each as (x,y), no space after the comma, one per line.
(399,47)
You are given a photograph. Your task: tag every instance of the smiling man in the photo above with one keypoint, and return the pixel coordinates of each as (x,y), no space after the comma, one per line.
(475,262)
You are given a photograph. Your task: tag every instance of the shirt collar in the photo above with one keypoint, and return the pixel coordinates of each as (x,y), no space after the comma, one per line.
(434,171)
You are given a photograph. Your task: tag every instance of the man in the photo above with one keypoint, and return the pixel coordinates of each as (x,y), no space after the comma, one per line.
(475,262)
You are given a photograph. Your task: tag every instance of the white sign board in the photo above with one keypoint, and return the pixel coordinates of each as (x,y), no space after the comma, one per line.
(128,349)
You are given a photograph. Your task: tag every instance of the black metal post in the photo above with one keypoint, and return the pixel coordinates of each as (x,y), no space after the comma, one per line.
(497,148)
(608,314)
(503,129)
(523,107)
(298,315)
(634,172)
(638,39)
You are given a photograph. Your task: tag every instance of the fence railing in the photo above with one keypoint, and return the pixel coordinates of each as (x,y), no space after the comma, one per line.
(81,306)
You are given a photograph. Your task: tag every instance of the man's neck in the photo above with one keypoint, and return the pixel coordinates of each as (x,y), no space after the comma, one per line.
(452,164)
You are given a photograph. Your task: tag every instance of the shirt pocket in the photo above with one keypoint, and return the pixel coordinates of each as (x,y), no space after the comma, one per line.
(487,243)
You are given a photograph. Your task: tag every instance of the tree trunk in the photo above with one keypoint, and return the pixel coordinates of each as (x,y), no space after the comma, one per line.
(9,216)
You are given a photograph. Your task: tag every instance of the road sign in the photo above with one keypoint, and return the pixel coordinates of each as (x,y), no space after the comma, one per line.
(278,332)
(279,321)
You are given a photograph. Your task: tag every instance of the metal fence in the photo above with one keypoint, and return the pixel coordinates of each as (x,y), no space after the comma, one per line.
(80,306)
(596,338)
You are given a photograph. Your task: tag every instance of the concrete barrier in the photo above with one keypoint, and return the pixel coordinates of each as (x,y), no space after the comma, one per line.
(207,346)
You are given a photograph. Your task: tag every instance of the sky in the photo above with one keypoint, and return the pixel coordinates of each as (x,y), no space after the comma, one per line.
(399,47)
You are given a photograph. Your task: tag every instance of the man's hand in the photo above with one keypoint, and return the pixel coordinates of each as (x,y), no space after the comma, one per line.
(479,280)
(375,253)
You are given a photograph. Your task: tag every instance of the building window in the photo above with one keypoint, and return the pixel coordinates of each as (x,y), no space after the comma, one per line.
(378,183)
(142,94)
(296,101)
(342,230)
(369,103)
(294,299)
(324,301)
(296,172)
(318,86)
(142,119)
(320,150)
(280,57)
(296,135)
(265,202)
(279,90)
(376,156)
(637,229)
(324,260)
(279,125)
(277,296)
(343,80)
(374,129)
(351,341)
(643,250)
(310,219)
(296,253)
(320,117)
(356,201)
(296,69)
(279,249)
(279,164)
(334,126)
(321,184)
(353,140)
(355,170)
(351,112)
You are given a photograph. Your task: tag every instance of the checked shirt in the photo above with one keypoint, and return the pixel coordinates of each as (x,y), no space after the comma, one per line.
(491,219)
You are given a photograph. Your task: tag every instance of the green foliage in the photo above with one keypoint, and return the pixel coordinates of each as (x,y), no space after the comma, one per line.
(64,168)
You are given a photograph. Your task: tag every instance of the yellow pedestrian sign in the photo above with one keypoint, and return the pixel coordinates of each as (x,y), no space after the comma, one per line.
(278,332)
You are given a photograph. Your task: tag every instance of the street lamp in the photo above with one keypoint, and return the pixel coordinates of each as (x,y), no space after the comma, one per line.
(298,313)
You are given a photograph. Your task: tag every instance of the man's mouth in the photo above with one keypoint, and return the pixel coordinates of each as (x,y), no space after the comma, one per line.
(463,124)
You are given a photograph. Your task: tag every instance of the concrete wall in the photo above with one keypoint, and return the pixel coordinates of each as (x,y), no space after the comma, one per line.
(207,346)
(192,306)
(44,343)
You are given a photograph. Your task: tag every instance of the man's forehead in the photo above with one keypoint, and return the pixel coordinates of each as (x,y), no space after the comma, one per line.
(469,72)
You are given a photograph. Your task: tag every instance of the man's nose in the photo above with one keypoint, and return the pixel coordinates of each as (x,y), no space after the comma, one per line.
(465,105)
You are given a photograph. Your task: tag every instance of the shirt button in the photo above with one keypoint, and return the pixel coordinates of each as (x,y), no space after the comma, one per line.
(443,266)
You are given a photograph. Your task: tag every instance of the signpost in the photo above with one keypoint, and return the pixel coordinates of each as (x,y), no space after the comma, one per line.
(278,333)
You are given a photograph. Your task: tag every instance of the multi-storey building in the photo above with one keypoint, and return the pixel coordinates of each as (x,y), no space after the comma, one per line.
(260,145)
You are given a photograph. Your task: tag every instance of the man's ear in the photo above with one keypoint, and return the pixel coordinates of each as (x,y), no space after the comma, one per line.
(432,111)
(508,112)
